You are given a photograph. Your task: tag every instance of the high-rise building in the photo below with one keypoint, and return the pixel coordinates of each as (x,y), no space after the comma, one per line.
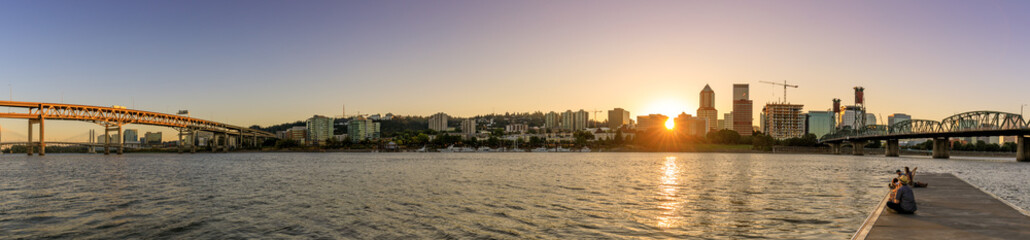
(320,128)
(651,121)
(852,117)
(783,121)
(552,120)
(131,136)
(727,121)
(870,119)
(707,111)
(617,118)
(574,121)
(580,119)
(742,110)
(468,127)
(153,138)
(566,120)
(896,118)
(437,122)
(361,128)
(820,123)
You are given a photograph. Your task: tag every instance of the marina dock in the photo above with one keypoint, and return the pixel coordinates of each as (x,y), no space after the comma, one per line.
(950,208)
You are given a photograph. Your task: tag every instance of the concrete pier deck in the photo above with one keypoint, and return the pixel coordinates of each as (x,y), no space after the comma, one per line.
(949,208)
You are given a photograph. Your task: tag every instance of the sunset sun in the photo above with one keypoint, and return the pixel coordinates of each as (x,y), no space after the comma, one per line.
(670,124)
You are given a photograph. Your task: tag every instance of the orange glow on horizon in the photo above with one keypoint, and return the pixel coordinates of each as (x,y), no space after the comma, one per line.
(670,124)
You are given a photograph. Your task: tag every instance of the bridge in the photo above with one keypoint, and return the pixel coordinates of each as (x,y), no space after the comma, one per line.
(967,124)
(113,118)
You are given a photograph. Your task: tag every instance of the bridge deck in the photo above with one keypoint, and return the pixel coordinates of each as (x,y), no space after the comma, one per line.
(950,209)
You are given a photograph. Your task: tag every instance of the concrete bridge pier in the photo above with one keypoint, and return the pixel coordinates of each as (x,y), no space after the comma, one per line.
(42,141)
(107,140)
(834,148)
(225,146)
(1022,149)
(193,141)
(178,144)
(941,147)
(121,142)
(892,149)
(858,148)
(29,145)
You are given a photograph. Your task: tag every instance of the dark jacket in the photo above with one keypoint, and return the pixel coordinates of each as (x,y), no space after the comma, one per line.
(906,199)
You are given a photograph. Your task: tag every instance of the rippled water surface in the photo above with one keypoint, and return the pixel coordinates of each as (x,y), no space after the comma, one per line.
(460,195)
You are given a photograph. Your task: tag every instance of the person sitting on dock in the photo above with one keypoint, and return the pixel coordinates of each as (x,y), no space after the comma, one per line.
(903,200)
(894,183)
(911,177)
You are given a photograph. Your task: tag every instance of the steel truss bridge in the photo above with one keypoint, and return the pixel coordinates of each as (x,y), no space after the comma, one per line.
(967,124)
(113,118)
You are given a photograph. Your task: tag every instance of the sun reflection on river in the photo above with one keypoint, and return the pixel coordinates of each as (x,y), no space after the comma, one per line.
(670,202)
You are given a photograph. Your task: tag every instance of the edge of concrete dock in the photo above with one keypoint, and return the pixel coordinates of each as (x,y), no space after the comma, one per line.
(950,208)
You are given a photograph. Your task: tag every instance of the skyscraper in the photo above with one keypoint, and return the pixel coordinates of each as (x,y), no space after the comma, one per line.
(468,127)
(783,120)
(131,136)
(320,128)
(437,122)
(617,118)
(820,122)
(707,111)
(552,120)
(580,120)
(897,117)
(360,128)
(742,110)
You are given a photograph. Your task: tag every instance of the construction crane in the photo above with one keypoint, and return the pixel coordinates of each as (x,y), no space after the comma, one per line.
(595,117)
(785,85)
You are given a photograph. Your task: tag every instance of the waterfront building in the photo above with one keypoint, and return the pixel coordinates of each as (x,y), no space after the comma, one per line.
(645,122)
(113,138)
(566,120)
(820,123)
(319,129)
(361,128)
(707,111)
(849,117)
(516,128)
(468,127)
(152,137)
(131,136)
(690,125)
(297,133)
(742,110)
(574,121)
(580,119)
(727,121)
(617,118)
(783,120)
(552,120)
(437,122)
(897,117)
(870,119)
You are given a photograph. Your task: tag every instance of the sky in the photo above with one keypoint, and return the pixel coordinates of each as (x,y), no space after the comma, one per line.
(270,62)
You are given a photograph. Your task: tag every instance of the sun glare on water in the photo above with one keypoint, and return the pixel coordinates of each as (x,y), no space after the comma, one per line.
(669,124)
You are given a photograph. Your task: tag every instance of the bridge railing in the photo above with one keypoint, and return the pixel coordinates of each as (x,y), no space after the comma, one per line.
(967,121)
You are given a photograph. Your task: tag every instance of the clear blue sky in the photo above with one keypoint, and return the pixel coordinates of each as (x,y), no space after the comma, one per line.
(267,62)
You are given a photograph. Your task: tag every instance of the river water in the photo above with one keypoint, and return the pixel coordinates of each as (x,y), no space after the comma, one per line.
(461,195)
